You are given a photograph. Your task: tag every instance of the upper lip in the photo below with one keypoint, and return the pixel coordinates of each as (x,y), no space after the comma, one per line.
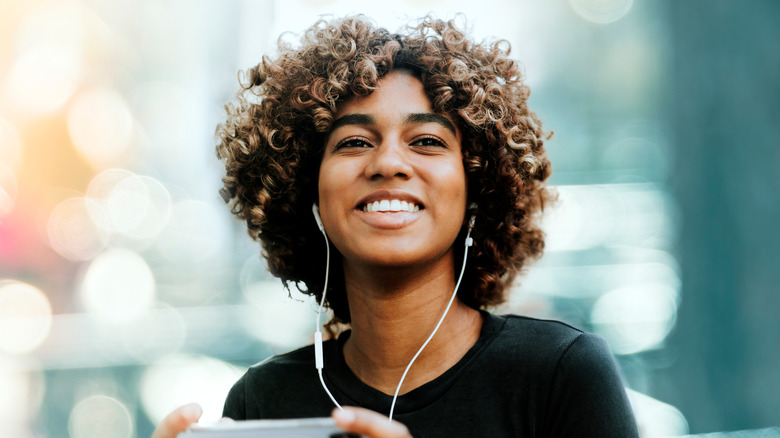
(379,195)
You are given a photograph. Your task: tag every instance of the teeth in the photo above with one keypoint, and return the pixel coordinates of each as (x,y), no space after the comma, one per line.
(387,205)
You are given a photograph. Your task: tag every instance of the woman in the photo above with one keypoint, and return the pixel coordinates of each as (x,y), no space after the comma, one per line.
(421,156)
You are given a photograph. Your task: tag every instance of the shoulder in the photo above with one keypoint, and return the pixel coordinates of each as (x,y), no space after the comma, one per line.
(552,345)
(546,329)
(550,350)
(540,341)
(278,366)
(266,378)
(578,379)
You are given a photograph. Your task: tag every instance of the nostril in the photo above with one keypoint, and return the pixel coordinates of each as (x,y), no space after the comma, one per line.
(389,162)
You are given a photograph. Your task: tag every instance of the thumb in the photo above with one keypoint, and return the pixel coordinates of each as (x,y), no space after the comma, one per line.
(177,421)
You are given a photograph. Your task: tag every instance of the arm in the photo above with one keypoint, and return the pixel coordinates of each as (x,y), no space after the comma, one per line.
(587,396)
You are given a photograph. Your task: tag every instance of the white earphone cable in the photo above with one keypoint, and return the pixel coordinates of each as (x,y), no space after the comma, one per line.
(469,242)
(318,355)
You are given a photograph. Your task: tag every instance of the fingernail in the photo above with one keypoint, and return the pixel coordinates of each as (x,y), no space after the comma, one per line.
(345,416)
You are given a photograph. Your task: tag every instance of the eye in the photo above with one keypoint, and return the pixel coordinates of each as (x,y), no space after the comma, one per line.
(428,141)
(354,142)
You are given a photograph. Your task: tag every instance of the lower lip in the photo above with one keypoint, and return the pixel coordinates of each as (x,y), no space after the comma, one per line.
(389,221)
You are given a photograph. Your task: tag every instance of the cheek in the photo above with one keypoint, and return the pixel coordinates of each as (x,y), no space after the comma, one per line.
(330,189)
(455,179)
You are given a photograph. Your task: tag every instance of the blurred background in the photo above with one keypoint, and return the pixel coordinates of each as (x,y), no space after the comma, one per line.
(127,289)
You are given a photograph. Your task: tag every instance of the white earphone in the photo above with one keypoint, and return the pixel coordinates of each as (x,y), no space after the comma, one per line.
(319,362)
(318,355)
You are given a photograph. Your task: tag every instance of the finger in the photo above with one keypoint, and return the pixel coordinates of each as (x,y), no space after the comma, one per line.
(369,423)
(177,421)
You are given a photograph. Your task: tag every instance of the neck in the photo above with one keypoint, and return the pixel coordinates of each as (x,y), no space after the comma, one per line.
(393,313)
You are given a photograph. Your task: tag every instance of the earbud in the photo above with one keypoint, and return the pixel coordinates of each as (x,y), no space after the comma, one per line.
(473,209)
(316,211)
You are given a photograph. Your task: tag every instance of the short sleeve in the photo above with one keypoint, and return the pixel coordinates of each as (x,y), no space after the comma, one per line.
(235,403)
(587,397)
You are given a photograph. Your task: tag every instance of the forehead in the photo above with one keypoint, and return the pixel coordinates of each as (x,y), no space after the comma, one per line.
(399,99)
(399,91)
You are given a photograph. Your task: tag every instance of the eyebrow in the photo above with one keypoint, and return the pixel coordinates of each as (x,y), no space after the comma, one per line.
(352,119)
(431,118)
(367,120)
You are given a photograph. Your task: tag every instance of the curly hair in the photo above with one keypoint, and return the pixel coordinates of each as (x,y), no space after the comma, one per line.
(273,138)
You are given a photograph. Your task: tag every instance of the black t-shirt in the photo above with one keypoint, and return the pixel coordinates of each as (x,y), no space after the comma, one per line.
(524,377)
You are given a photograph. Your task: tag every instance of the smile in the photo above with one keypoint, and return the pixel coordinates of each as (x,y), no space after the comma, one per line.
(390,206)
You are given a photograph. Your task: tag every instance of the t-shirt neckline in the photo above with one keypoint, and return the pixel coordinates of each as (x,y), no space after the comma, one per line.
(350,390)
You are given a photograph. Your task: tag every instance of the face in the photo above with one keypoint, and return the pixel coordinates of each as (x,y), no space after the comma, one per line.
(392,187)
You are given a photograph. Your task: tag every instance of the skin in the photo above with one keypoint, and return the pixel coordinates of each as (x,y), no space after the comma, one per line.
(178,421)
(399,267)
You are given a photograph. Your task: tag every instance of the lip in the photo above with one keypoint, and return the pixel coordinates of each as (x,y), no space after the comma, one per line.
(379,195)
(389,221)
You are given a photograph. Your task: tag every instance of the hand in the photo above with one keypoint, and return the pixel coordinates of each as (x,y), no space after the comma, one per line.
(369,423)
(177,421)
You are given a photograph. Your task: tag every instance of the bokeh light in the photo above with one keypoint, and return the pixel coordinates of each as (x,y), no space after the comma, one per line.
(582,219)
(101,127)
(21,396)
(167,118)
(73,231)
(25,317)
(640,156)
(278,317)
(195,232)
(657,419)
(182,379)
(8,189)
(636,318)
(64,22)
(118,286)
(154,333)
(10,144)
(100,416)
(601,11)
(99,191)
(137,206)
(589,216)
(645,215)
(43,78)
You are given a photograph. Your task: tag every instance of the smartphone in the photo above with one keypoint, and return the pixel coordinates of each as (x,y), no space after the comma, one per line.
(289,428)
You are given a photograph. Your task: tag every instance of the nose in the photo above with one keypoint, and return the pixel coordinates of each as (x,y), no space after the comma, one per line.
(389,160)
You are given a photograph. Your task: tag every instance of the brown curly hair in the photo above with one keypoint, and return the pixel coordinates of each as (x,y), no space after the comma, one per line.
(273,138)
